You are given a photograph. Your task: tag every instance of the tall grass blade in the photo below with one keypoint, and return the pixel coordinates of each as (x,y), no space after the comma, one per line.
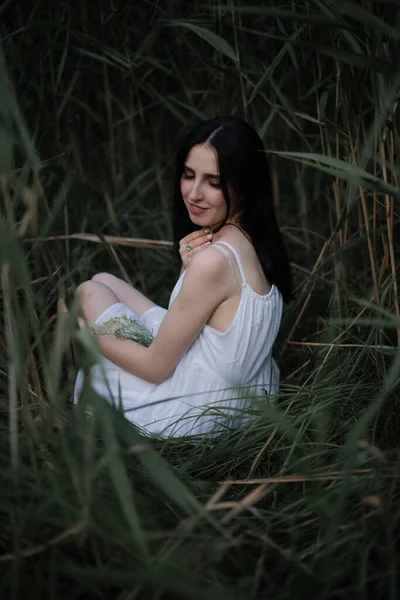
(339,168)
(212,38)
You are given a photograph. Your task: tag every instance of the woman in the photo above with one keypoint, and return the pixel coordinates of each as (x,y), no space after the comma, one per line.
(225,309)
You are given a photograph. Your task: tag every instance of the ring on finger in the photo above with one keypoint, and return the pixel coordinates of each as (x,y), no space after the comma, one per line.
(188,247)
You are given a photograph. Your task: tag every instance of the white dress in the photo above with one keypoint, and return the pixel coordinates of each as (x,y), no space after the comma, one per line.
(211,385)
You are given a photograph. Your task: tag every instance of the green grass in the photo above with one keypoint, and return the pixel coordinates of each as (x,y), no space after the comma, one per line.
(304,501)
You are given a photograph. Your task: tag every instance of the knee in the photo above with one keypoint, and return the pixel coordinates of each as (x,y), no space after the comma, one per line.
(93,298)
(104,278)
(85,289)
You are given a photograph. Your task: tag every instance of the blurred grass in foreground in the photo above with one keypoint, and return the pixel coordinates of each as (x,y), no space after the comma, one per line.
(305,500)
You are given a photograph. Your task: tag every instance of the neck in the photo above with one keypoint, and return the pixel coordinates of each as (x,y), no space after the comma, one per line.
(231,221)
(234,223)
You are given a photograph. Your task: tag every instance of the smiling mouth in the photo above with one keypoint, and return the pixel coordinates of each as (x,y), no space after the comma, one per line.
(199,208)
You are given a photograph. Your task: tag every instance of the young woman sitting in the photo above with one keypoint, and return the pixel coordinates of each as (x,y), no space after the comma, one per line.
(213,346)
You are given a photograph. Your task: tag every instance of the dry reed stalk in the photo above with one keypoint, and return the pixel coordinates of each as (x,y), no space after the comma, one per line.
(296,371)
(333,345)
(385,259)
(110,125)
(110,239)
(337,153)
(321,254)
(389,205)
(263,486)
(110,210)
(269,440)
(71,531)
(6,196)
(362,213)
(29,218)
(37,385)
(121,266)
(369,241)
(375,201)
(41,163)
(320,476)
(338,207)
(275,185)
(216,497)
(12,371)
(350,326)
(66,221)
(251,498)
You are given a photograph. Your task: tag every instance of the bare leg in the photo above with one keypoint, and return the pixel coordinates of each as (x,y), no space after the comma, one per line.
(125,293)
(94,298)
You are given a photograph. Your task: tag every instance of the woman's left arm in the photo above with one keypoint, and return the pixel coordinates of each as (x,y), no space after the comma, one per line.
(204,287)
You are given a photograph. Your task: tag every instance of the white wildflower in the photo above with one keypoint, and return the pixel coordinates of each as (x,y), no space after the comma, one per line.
(123,327)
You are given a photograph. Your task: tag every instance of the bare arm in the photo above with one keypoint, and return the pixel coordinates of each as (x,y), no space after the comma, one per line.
(203,289)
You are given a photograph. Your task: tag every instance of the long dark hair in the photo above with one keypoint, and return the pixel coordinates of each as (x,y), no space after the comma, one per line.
(244,167)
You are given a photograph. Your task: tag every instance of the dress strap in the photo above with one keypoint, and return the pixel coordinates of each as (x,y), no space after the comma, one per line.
(226,254)
(236,255)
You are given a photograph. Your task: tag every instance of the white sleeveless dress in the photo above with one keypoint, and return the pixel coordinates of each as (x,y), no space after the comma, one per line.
(210,387)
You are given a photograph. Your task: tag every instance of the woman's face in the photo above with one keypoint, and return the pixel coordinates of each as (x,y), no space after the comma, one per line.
(200,187)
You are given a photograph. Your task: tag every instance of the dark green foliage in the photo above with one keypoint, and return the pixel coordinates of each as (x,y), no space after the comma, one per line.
(304,502)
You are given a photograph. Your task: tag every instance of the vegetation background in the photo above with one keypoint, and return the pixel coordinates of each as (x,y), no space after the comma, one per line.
(94,97)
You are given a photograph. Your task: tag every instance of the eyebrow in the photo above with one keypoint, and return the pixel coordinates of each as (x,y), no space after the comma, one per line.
(211,175)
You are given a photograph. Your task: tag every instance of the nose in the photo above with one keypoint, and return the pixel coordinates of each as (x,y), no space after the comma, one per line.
(195,192)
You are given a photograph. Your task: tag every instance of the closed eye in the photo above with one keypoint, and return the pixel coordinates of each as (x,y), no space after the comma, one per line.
(213,184)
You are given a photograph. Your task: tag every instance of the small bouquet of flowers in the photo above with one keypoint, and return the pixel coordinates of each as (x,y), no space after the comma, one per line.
(123,327)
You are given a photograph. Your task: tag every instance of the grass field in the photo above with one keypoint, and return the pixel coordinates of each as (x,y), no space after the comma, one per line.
(304,502)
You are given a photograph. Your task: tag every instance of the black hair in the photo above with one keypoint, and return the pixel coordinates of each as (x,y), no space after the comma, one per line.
(244,167)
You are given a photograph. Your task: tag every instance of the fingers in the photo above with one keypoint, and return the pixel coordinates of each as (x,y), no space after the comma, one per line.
(197,244)
(194,250)
(197,241)
(195,235)
(201,241)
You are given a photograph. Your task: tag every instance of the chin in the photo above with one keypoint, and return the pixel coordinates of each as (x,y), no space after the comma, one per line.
(202,224)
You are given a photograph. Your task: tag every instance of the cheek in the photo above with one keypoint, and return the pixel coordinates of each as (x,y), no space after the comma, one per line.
(219,201)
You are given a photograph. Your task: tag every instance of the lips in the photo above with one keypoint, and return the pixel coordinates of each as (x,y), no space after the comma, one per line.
(197,210)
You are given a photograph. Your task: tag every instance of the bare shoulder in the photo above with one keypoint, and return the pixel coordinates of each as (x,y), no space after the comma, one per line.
(237,239)
(206,279)
(209,263)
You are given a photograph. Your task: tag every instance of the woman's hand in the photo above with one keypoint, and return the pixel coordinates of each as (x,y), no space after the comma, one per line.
(197,241)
